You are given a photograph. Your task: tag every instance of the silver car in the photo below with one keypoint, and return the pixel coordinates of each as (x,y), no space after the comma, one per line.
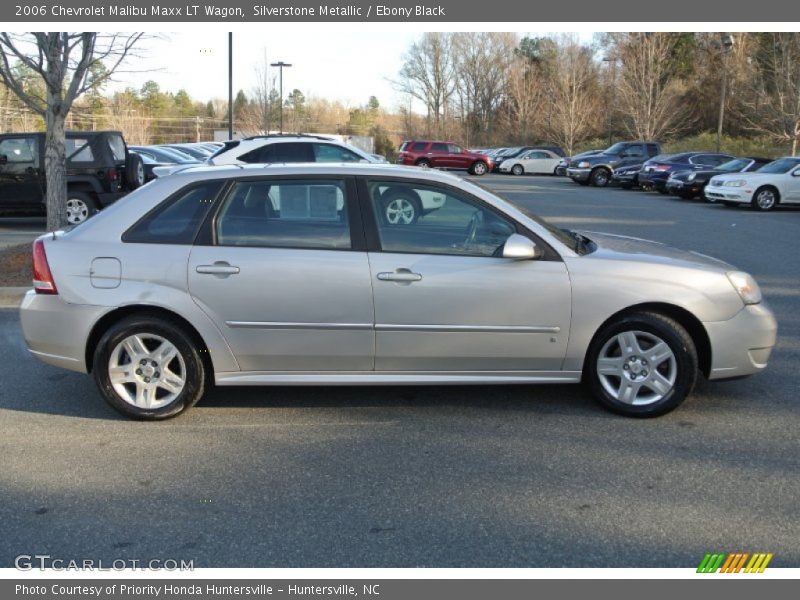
(293,275)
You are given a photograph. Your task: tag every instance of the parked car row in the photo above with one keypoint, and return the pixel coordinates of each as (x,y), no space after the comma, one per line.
(759,182)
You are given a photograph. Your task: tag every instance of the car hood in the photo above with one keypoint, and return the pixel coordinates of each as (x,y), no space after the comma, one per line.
(619,247)
(750,178)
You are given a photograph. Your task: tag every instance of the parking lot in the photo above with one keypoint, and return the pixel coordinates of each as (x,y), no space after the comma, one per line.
(427,476)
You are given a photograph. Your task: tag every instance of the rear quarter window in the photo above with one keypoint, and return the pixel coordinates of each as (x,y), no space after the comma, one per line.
(177,219)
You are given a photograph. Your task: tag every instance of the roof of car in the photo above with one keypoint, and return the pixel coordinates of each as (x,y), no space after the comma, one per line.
(204,171)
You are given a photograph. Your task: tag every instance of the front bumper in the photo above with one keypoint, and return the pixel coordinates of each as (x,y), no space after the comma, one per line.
(577,174)
(682,188)
(55,331)
(728,194)
(742,345)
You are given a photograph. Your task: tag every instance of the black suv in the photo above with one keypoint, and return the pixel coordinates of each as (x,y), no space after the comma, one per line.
(597,169)
(99,171)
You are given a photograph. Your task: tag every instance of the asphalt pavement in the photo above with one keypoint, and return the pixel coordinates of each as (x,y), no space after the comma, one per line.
(521,476)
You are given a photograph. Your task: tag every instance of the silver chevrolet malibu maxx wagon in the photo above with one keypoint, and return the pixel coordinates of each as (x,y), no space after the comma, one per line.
(304,275)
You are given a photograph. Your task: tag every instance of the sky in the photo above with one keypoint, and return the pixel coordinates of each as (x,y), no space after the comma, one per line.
(349,66)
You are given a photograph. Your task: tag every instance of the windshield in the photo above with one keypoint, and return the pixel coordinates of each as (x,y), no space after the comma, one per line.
(734,166)
(560,234)
(782,165)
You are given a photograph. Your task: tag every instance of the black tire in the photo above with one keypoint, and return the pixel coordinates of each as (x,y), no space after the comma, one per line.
(423,163)
(134,171)
(479,168)
(766,198)
(402,200)
(79,207)
(144,325)
(646,324)
(517,170)
(600,177)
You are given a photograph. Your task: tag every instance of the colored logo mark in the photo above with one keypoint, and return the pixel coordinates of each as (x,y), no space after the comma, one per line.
(734,562)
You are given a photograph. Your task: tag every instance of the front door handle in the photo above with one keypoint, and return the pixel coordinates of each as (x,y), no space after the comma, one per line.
(402,275)
(219,268)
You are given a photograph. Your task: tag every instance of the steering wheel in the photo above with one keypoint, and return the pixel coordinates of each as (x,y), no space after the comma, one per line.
(472,229)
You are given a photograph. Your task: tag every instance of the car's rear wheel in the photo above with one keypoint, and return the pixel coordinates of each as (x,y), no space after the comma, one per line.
(80,206)
(517,170)
(765,198)
(149,368)
(480,168)
(424,163)
(600,177)
(642,365)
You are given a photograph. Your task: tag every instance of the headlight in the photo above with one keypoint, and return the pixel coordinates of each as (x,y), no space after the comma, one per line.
(735,183)
(745,286)
(691,177)
(584,165)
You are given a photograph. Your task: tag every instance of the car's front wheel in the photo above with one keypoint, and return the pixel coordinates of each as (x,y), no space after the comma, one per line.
(600,177)
(517,170)
(148,367)
(765,198)
(642,365)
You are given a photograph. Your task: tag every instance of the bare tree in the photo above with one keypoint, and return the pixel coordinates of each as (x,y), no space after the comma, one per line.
(772,102)
(574,94)
(428,75)
(62,60)
(649,88)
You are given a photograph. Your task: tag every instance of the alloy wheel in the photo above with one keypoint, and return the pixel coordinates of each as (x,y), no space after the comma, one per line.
(147,371)
(637,368)
(400,211)
(77,211)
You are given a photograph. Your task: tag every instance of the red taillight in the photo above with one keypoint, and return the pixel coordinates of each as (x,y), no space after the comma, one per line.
(43,281)
(113,175)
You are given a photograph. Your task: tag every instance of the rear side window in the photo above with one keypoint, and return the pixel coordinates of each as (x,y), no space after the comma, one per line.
(652,150)
(418,146)
(285,214)
(117,147)
(78,150)
(332,153)
(439,148)
(177,220)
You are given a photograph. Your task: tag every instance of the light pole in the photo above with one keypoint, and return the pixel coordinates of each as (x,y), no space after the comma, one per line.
(727,44)
(230,85)
(281,65)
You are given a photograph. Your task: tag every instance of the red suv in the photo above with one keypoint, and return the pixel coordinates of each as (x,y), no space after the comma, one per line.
(443,155)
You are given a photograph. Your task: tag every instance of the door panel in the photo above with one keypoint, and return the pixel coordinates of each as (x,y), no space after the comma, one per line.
(469,313)
(20,178)
(281,283)
(446,301)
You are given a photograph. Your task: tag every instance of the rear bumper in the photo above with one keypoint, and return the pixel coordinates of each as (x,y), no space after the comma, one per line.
(742,345)
(55,331)
(652,179)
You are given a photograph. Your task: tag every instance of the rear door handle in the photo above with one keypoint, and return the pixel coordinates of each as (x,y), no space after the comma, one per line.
(403,275)
(219,268)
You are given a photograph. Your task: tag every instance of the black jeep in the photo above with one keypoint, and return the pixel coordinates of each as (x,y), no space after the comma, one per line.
(99,171)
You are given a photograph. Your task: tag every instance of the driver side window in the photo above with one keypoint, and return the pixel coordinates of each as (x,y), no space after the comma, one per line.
(421,219)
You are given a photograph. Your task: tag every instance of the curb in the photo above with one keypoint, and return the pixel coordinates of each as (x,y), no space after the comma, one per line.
(10,297)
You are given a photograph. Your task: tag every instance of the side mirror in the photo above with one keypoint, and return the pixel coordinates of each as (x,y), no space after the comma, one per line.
(795,173)
(518,247)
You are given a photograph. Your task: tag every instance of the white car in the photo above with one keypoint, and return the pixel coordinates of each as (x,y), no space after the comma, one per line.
(775,183)
(399,207)
(532,161)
